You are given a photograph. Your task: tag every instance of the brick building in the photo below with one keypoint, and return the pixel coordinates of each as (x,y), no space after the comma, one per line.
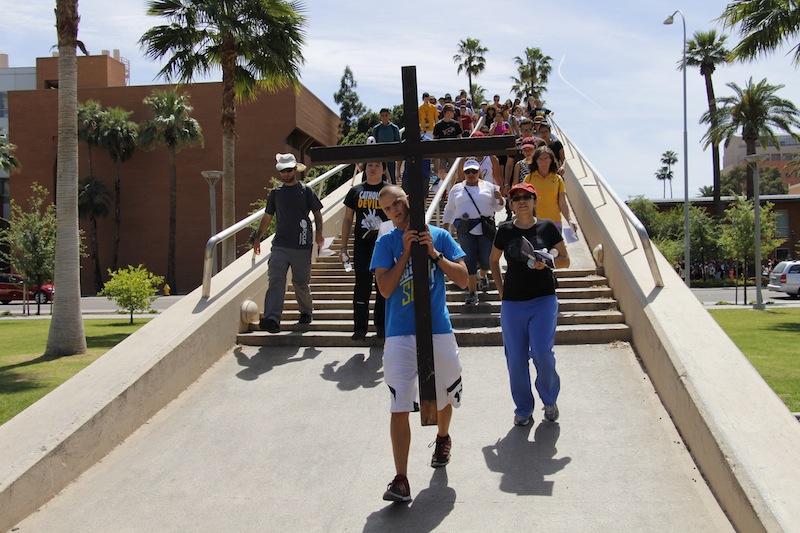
(280,122)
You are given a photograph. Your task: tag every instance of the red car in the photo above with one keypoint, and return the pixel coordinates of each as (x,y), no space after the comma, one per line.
(11,289)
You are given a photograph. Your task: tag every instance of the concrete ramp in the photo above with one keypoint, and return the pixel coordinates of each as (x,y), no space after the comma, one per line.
(296,439)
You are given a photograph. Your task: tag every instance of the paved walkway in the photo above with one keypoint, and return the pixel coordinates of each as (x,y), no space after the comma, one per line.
(297,440)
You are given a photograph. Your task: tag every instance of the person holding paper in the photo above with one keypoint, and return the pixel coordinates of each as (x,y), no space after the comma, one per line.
(552,201)
(362,204)
(529,308)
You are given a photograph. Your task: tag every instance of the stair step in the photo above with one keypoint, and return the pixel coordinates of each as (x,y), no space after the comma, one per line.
(482,336)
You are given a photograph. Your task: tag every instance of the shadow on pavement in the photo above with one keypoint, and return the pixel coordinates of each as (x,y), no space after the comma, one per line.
(525,464)
(358,371)
(424,513)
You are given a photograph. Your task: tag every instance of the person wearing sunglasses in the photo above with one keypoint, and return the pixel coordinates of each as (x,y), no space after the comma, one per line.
(529,306)
(467,202)
(290,204)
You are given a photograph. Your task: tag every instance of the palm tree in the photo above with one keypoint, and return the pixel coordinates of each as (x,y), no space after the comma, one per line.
(118,135)
(754,110)
(90,116)
(470,59)
(663,174)
(93,199)
(173,127)
(705,191)
(764,25)
(669,158)
(256,44)
(66,335)
(706,50)
(8,160)
(534,70)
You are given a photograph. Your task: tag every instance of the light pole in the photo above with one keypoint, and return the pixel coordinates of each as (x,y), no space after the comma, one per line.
(212,177)
(687,270)
(753,161)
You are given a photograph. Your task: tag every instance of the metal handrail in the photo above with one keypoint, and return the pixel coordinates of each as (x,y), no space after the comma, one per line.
(630,219)
(242,224)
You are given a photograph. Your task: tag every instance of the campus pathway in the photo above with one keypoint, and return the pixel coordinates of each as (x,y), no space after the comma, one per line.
(296,439)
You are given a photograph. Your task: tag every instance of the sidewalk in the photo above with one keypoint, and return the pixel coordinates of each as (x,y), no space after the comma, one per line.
(296,439)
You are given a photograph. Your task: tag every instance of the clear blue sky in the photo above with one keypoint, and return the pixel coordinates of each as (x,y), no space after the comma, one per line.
(614,86)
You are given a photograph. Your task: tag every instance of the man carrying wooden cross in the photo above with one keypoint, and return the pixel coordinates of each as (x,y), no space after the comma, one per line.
(391,263)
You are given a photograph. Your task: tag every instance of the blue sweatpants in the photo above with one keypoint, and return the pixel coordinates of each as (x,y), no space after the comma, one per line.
(529,330)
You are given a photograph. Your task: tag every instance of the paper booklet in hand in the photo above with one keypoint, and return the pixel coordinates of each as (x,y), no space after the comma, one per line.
(543,256)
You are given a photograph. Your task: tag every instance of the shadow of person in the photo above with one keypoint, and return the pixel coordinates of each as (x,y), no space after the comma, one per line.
(424,513)
(525,464)
(269,357)
(357,371)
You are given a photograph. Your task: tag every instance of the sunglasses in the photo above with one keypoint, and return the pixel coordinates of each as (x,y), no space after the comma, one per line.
(286,170)
(521,197)
(471,171)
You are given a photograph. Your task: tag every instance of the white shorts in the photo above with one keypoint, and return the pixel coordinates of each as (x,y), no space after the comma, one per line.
(400,371)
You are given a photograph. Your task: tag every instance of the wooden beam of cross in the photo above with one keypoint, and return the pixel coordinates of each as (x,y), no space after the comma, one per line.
(413,151)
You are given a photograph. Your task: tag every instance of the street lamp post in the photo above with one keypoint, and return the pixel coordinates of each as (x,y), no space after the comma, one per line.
(212,177)
(753,161)
(687,271)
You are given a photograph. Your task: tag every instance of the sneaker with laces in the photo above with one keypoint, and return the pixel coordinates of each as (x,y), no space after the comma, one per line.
(551,412)
(398,490)
(472,299)
(522,420)
(441,454)
(483,284)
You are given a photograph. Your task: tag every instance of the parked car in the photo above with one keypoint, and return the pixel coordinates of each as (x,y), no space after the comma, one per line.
(785,277)
(11,289)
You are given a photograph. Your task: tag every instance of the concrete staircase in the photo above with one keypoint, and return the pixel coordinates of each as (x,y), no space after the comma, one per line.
(587,312)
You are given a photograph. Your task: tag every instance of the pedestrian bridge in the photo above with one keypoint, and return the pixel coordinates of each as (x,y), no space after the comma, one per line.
(180,428)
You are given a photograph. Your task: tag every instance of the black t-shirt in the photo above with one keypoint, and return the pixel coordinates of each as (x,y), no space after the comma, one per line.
(290,205)
(557,147)
(363,200)
(522,283)
(447,130)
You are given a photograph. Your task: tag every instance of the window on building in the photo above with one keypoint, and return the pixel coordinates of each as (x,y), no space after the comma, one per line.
(775,157)
(782,223)
(3,104)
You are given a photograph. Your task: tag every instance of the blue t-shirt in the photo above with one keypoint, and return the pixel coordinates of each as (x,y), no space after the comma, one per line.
(400,318)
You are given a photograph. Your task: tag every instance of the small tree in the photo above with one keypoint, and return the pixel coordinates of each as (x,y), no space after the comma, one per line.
(31,239)
(8,161)
(132,288)
(737,236)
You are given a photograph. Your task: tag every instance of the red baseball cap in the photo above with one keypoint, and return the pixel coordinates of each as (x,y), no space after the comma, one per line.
(527,187)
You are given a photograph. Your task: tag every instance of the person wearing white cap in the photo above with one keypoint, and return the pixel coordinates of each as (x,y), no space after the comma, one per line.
(290,204)
(467,203)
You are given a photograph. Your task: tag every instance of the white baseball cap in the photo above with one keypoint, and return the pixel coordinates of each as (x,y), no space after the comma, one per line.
(288,161)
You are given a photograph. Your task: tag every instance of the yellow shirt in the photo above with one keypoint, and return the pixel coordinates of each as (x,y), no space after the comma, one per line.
(428,115)
(547,191)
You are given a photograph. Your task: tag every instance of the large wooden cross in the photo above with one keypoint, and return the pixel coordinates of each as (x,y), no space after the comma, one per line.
(416,185)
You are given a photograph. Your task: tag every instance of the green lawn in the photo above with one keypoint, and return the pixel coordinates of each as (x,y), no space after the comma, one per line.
(26,375)
(771,341)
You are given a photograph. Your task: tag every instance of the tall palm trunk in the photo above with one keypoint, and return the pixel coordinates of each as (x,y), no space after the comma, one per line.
(117,200)
(98,274)
(228,61)
(173,208)
(66,335)
(750,149)
(715,163)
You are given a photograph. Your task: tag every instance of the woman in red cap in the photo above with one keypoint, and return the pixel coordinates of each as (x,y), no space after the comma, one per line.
(529,308)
